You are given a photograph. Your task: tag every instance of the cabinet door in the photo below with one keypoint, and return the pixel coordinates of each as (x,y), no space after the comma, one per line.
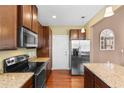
(99,83)
(46,41)
(50,43)
(48,69)
(26,11)
(88,78)
(82,36)
(74,34)
(44,51)
(8,27)
(34,19)
(40,36)
(28,84)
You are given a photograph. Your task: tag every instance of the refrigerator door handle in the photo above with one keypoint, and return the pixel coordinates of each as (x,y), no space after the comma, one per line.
(65,52)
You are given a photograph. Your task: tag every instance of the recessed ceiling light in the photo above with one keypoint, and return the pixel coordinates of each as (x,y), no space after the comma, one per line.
(54,17)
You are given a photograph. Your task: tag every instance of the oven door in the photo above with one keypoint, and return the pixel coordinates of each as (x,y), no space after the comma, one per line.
(40,78)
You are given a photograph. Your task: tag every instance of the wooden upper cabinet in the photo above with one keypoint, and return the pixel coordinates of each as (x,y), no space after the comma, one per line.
(34,19)
(8,27)
(46,46)
(75,34)
(28,17)
(46,41)
(25,16)
(46,49)
(40,36)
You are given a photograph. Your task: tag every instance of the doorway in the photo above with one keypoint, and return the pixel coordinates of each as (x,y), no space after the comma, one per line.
(60,52)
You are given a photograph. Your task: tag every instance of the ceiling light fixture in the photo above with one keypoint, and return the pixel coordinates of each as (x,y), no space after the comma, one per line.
(82,30)
(54,17)
(108,12)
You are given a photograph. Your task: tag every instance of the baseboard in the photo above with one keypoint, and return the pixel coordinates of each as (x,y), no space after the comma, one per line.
(60,69)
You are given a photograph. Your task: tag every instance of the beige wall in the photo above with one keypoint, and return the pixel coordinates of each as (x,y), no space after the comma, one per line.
(9,53)
(63,30)
(115,23)
(98,17)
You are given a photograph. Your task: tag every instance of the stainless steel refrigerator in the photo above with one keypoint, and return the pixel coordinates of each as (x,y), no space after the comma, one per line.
(79,54)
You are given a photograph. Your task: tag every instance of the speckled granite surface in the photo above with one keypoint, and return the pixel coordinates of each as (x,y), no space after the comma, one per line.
(39,59)
(14,80)
(111,74)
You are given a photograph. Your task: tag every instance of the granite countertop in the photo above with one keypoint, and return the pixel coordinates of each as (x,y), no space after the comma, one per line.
(14,80)
(111,74)
(39,59)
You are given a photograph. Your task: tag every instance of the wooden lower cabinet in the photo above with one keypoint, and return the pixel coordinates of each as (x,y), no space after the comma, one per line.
(48,69)
(88,78)
(29,83)
(99,83)
(92,81)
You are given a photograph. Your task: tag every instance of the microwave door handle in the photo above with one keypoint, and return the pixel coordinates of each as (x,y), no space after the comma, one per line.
(22,37)
(32,33)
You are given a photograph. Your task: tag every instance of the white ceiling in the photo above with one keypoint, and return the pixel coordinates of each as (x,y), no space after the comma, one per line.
(67,14)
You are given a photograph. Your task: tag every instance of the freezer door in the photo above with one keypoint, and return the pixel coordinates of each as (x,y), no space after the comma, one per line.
(76,65)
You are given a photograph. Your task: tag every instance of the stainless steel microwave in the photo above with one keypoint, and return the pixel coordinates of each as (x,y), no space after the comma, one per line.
(27,38)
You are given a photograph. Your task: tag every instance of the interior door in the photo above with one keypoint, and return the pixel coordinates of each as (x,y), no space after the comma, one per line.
(60,52)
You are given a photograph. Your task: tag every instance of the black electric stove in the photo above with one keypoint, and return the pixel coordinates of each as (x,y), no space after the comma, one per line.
(21,64)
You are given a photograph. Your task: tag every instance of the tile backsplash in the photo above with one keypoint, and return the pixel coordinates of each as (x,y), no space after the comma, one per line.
(9,53)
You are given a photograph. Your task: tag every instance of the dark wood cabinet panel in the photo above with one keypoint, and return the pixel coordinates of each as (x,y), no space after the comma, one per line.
(28,17)
(48,69)
(40,36)
(25,16)
(99,83)
(88,79)
(46,50)
(46,33)
(50,46)
(75,34)
(28,84)
(34,19)
(92,81)
(8,27)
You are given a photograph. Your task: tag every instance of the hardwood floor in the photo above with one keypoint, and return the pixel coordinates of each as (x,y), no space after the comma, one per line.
(62,79)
